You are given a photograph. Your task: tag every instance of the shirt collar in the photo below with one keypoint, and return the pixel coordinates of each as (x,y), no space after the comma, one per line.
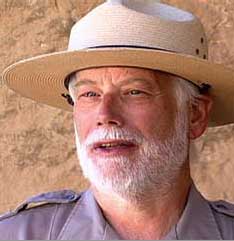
(87,221)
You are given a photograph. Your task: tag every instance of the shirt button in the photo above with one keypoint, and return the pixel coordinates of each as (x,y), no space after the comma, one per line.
(70,196)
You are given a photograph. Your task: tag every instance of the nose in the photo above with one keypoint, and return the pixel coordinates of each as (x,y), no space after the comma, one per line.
(109,112)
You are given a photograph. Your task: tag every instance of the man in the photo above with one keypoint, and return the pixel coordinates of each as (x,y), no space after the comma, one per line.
(142,89)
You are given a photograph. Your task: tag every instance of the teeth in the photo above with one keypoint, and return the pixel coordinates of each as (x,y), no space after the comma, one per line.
(110,144)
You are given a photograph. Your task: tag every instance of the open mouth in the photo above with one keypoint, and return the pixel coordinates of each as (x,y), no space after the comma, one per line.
(111,145)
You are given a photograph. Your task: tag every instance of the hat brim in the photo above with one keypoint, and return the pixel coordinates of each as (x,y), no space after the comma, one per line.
(42,78)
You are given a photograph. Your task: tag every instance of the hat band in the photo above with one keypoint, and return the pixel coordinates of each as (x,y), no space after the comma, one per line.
(129,46)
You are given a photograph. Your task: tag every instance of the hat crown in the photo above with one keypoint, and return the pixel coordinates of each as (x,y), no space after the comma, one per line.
(134,23)
(155,8)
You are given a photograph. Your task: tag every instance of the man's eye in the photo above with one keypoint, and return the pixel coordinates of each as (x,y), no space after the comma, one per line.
(90,94)
(135,92)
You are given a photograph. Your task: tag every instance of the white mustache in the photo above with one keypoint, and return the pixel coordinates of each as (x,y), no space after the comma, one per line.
(113,133)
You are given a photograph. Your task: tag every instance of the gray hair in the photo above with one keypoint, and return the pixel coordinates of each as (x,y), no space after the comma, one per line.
(185,92)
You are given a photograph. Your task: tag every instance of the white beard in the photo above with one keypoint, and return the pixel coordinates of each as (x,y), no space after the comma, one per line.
(154,168)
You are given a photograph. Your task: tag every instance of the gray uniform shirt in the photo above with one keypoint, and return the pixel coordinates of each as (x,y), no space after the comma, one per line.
(66,215)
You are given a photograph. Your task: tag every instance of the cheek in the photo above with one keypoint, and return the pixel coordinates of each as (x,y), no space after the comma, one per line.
(154,119)
(83,123)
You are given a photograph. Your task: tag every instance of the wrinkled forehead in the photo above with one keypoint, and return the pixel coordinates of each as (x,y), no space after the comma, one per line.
(119,74)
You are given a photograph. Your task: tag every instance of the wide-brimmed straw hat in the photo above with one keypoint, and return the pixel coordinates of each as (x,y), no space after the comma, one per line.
(145,34)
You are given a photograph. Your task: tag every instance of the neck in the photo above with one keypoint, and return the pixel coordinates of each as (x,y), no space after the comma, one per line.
(152,217)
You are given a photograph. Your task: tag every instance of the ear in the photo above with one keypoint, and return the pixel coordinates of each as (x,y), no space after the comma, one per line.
(199,115)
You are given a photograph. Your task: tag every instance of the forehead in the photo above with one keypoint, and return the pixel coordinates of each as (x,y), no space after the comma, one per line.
(118,74)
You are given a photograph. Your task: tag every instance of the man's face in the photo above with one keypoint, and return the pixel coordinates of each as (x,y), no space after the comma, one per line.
(129,133)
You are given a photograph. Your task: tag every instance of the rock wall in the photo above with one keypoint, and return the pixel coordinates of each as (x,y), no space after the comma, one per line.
(37,149)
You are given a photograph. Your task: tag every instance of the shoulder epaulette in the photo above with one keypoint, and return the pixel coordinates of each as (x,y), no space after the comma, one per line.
(57,197)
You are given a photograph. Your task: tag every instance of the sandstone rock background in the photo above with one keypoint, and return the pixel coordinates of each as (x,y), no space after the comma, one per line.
(37,149)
